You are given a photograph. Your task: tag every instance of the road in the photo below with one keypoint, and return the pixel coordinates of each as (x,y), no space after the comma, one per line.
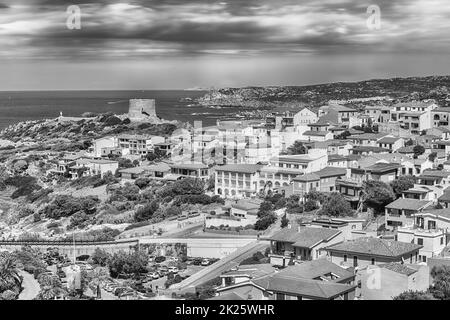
(30,286)
(216,269)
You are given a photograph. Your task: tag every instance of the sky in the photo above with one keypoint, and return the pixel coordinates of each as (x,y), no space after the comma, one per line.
(177,44)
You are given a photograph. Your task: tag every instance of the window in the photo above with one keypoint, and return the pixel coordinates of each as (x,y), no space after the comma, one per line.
(420,241)
(373,260)
(345,258)
(442,240)
(424,258)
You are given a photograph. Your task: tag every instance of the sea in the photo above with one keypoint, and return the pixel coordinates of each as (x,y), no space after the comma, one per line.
(16,106)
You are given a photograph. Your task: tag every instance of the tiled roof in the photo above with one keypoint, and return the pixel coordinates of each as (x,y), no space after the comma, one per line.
(383,167)
(407,149)
(375,246)
(251,270)
(307,177)
(331,172)
(189,165)
(436,173)
(445,196)
(228,296)
(307,237)
(388,140)
(399,268)
(315,268)
(315,133)
(293,285)
(242,168)
(408,204)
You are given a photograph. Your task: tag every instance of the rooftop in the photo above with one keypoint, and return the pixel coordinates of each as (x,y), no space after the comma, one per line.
(316,268)
(388,140)
(241,168)
(408,204)
(293,285)
(376,246)
(399,268)
(307,237)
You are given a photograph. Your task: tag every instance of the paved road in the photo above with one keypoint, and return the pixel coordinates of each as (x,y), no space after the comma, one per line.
(220,266)
(30,286)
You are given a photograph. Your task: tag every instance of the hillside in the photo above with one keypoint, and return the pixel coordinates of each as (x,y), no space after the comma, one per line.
(404,89)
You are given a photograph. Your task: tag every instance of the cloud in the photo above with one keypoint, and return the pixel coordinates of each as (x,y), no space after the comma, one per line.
(141,29)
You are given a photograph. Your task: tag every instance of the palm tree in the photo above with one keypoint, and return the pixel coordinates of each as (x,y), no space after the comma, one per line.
(9,273)
(51,287)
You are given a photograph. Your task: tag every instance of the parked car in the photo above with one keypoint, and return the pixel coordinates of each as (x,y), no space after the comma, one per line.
(173,270)
(205,262)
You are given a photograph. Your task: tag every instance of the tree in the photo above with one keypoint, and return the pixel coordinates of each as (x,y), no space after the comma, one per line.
(128,263)
(402,183)
(51,287)
(265,208)
(9,273)
(377,194)
(100,257)
(284,221)
(418,150)
(146,212)
(441,285)
(432,156)
(297,148)
(335,205)
(142,183)
(414,295)
(264,222)
(410,142)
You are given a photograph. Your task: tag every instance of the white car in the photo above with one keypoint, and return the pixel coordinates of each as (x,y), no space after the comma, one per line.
(205,262)
(173,270)
(154,275)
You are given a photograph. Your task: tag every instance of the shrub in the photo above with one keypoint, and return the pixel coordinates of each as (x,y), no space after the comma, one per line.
(137,225)
(160,259)
(146,212)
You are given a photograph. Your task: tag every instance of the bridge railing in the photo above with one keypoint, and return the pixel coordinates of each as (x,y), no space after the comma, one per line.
(64,242)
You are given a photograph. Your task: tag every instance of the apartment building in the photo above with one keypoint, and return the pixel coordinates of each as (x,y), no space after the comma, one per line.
(240,180)
(414,116)
(323,180)
(135,144)
(400,212)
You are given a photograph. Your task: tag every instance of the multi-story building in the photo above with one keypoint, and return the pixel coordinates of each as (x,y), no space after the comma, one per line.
(413,116)
(400,212)
(190,170)
(135,144)
(429,229)
(378,114)
(240,180)
(297,244)
(323,180)
(87,167)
